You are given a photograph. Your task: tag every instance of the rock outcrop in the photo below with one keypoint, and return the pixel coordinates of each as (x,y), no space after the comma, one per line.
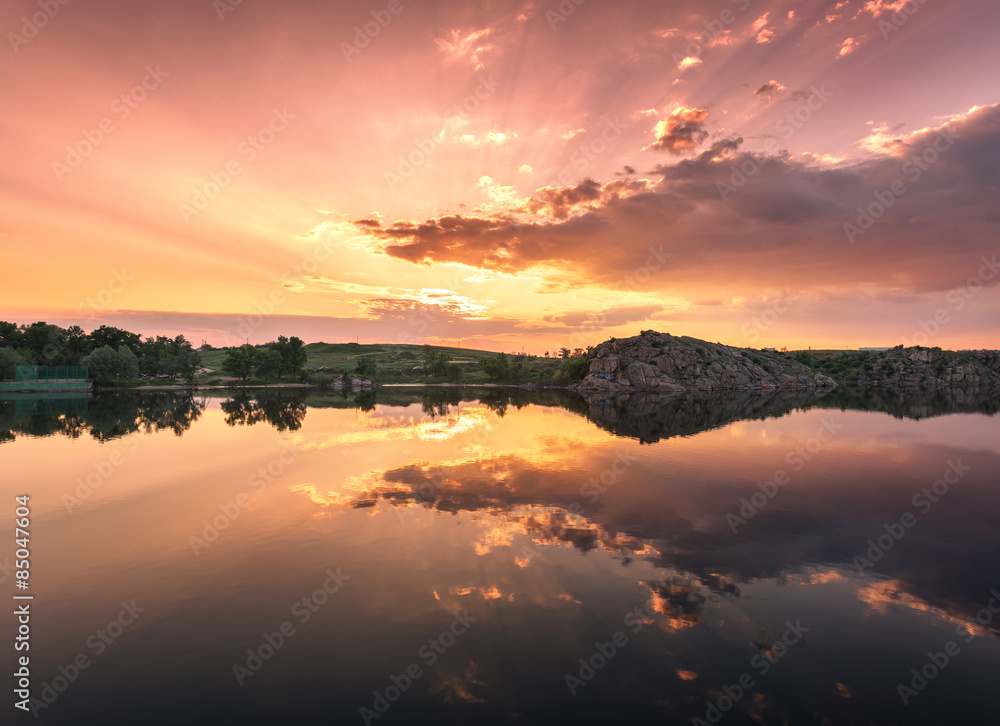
(663,363)
(933,368)
(651,417)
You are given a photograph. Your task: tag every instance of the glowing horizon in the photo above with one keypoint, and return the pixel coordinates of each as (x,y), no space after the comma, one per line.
(519,175)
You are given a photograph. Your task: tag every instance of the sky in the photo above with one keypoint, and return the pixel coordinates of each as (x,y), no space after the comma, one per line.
(504,175)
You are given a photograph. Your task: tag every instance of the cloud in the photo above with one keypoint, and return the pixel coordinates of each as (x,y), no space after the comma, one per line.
(783,225)
(459,44)
(689,62)
(882,139)
(766,93)
(442,302)
(606,318)
(758,29)
(848,46)
(558,202)
(490,137)
(683,130)
(880,7)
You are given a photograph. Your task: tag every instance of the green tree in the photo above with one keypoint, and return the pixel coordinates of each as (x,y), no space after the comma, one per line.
(188,362)
(45,342)
(239,361)
(293,354)
(367,368)
(496,368)
(267,364)
(454,372)
(435,363)
(297,355)
(9,360)
(108,366)
(128,364)
(115,337)
(10,335)
(574,369)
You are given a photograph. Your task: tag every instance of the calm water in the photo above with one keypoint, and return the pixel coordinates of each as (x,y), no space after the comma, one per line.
(468,557)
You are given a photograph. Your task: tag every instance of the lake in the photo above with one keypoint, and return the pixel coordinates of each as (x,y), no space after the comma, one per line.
(481,556)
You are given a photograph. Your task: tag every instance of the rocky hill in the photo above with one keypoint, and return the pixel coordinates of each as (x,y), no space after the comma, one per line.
(651,417)
(917,367)
(654,361)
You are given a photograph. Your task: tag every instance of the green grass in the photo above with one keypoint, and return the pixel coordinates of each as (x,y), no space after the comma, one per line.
(395,361)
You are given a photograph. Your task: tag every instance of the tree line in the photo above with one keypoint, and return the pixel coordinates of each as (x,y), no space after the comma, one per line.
(284,356)
(117,356)
(113,355)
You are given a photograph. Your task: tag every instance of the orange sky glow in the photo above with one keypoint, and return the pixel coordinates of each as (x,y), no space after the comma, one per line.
(505,175)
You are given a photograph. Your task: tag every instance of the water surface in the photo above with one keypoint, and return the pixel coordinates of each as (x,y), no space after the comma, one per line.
(450,556)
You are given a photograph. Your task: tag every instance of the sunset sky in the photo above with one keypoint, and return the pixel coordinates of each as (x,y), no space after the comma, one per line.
(504,174)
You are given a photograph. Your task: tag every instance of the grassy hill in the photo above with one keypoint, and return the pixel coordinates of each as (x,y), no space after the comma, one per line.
(396,362)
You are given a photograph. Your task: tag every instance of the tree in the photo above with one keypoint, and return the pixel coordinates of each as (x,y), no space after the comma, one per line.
(267,364)
(45,342)
(239,362)
(188,363)
(115,337)
(293,354)
(366,368)
(128,364)
(454,372)
(575,369)
(435,363)
(10,334)
(298,356)
(495,368)
(9,360)
(108,366)
(564,353)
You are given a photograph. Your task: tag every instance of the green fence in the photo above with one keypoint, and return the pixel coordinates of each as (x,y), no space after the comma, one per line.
(50,373)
